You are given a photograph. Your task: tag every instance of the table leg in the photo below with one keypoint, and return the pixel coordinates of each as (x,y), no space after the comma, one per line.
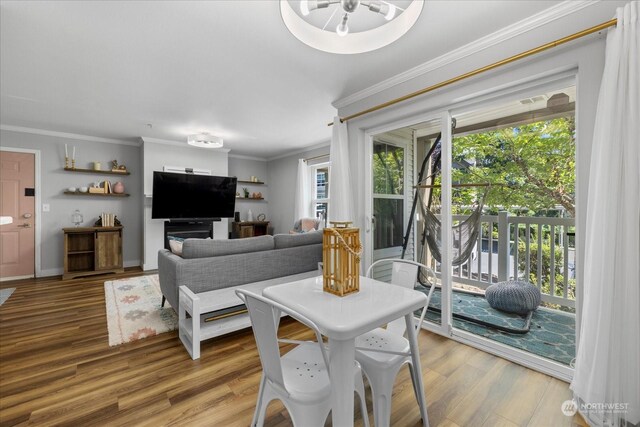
(415,360)
(341,367)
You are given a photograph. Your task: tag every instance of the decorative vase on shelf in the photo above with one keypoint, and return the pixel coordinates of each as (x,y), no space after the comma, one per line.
(118,188)
(249,215)
(77,218)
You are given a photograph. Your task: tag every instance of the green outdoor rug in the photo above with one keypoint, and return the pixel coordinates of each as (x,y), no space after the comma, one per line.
(551,332)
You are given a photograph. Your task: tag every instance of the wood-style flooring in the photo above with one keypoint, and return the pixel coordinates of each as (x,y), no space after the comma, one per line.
(56,368)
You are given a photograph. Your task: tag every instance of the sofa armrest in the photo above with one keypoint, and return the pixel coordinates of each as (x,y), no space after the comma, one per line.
(169,268)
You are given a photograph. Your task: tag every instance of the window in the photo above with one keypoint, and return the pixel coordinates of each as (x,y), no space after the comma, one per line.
(388,195)
(320,190)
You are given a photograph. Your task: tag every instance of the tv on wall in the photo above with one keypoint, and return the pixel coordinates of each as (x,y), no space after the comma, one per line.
(187,196)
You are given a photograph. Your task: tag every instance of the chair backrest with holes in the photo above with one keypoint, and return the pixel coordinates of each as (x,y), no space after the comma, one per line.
(265,317)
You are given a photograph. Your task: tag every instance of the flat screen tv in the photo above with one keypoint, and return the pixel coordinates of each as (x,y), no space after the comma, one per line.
(187,196)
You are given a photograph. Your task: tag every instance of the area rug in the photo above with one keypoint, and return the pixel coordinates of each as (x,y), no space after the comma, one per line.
(5,294)
(133,309)
(551,335)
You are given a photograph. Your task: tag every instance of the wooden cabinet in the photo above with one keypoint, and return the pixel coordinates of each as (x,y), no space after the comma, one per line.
(243,229)
(92,250)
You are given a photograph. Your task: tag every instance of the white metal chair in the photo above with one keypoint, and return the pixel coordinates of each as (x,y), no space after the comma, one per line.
(300,378)
(382,352)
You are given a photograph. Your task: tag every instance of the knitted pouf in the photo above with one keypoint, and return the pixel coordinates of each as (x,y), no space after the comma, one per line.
(513,296)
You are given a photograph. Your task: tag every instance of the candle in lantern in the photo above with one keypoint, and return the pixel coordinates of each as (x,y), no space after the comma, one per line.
(66,154)
(74,153)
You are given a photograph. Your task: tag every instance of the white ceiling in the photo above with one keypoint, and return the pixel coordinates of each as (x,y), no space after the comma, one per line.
(231,68)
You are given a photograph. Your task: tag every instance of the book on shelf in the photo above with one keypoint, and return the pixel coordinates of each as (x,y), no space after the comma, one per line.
(108,219)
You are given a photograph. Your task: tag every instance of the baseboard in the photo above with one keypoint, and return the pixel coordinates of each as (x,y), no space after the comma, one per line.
(8,279)
(58,271)
(51,272)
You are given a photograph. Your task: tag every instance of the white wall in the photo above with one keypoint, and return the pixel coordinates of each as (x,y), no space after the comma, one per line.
(54,180)
(243,168)
(584,57)
(282,173)
(156,155)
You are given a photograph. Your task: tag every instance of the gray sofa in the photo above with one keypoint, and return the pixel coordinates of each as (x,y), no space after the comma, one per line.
(206,265)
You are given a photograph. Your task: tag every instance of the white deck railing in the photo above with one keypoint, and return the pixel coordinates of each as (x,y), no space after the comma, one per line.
(504,257)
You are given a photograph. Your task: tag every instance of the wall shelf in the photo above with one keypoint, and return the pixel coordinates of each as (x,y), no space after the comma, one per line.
(99,172)
(78,193)
(256,199)
(250,182)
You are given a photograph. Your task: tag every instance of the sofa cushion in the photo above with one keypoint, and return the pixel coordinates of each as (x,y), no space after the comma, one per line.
(199,248)
(292,240)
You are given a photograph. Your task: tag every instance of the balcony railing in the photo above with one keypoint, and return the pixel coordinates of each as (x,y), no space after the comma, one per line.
(537,249)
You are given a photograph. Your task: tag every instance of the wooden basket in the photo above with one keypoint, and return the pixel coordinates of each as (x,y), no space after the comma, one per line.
(341,250)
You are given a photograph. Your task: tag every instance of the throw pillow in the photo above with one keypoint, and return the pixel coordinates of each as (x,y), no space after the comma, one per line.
(175,243)
(308,224)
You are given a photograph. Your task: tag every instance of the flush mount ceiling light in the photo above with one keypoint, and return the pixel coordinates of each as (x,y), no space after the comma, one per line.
(205,140)
(349,26)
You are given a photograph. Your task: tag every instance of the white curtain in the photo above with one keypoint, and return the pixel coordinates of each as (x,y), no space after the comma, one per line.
(341,199)
(607,372)
(301,199)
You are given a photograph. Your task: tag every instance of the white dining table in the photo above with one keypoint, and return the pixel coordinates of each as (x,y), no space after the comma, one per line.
(342,319)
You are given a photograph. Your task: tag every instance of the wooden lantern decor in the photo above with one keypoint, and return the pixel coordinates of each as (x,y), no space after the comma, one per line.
(341,250)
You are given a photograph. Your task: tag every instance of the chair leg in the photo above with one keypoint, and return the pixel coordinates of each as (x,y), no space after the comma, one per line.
(359,386)
(163,301)
(382,388)
(261,408)
(308,415)
(259,401)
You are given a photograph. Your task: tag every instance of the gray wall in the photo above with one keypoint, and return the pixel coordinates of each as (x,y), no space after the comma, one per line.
(283,173)
(243,168)
(155,156)
(55,180)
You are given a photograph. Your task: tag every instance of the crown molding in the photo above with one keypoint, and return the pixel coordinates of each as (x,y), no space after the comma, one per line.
(302,150)
(146,139)
(531,23)
(67,135)
(243,157)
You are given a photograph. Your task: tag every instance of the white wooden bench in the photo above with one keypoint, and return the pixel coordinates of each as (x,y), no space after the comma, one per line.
(196,327)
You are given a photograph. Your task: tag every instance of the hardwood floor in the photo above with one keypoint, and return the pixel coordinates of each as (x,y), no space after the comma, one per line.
(56,367)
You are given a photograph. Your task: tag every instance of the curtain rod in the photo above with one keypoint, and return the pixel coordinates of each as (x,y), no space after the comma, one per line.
(477,71)
(316,157)
(481,184)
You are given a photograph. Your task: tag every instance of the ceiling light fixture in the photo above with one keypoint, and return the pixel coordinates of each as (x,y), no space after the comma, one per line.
(346,26)
(388,10)
(205,140)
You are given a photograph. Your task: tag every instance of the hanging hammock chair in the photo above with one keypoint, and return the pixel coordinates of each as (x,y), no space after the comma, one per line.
(465,233)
